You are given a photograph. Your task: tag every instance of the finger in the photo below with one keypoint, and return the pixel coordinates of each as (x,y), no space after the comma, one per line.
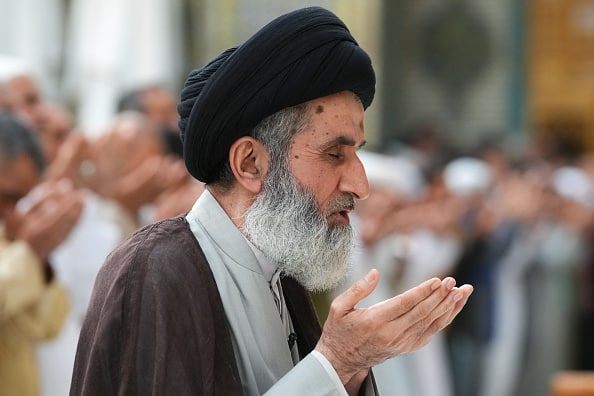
(416,322)
(457,300)
(411,315)
(402,304)
(73,146)
(421,333)
(140,178)
(464,293)
(440,307)
(176,171)
(65,209)
(148,168)
(435,305)
(46,193)
(347,301)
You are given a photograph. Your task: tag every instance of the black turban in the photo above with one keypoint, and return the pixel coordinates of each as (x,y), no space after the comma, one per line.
(300,56)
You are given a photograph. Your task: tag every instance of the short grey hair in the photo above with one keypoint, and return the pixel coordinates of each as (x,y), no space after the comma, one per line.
(275,132)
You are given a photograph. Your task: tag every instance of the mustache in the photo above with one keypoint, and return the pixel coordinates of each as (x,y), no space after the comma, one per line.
(345,201)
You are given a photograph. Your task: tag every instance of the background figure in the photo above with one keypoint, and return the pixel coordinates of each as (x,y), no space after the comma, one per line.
(484,241)
(128,181)
(21,91)
(76,261)
(514,200)
(78,258)
(33,304)
(58,127)
(158,104)
(551,285)
(584,343)
(134,169)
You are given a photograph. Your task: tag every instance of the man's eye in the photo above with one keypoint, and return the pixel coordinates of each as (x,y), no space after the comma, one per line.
(335,155)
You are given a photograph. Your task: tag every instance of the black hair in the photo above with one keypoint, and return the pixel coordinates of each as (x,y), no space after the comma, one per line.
(17,138)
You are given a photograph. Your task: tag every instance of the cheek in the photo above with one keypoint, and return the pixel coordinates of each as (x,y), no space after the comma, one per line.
(313,173)
(322,183)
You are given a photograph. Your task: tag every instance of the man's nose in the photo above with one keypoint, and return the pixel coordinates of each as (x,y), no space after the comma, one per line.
(354,180)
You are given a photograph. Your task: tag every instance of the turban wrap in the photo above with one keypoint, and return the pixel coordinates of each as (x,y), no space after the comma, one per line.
(300,56)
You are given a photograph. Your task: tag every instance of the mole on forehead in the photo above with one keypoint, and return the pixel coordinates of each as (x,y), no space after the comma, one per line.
(319,109)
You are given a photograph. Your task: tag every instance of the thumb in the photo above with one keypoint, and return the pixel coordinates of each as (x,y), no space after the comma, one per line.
(347,301)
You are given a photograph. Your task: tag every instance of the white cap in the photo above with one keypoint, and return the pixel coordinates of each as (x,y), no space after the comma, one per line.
(573,183)
(467,176)
(397,173)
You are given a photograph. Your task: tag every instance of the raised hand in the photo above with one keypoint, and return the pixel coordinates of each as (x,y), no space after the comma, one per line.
(177,200)
(355,339)
(48,221)
(70,162)
(151,178)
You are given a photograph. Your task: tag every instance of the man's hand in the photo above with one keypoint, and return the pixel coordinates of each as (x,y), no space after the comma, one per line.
(69,161)
(48,222)
(355,339)
(176,200)
(149,180)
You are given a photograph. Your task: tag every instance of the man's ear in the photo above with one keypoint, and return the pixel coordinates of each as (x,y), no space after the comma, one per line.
(249,162)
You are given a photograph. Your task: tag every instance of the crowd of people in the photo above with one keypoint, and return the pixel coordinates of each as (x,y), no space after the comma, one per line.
(518,230)
(518,226)
(62,217)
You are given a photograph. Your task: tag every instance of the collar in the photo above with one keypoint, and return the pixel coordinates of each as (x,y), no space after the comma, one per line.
(225,234)
(270,269)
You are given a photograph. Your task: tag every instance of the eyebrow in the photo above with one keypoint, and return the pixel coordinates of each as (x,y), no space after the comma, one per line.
(344,141)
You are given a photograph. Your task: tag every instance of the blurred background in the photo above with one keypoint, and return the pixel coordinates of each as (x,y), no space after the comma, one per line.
(479,158)
(470,67)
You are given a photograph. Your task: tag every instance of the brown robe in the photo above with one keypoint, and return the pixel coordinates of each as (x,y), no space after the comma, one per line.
(156,325)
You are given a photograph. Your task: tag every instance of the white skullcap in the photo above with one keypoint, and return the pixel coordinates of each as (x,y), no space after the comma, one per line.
(11,67)
(467,176)
(575,184)
(397,173)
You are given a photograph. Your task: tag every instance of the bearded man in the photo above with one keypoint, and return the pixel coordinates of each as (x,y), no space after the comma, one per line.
(216,301)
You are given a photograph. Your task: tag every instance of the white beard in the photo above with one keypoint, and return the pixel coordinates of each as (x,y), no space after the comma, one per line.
(288,226)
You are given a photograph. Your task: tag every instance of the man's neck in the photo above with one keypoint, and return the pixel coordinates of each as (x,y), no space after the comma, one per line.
(234,201)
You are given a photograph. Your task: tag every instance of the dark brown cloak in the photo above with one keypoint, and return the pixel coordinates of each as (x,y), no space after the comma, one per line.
(156,325)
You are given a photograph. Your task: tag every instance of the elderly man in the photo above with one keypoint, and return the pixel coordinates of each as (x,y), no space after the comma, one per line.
(20,91)
(32,303)
(216,302)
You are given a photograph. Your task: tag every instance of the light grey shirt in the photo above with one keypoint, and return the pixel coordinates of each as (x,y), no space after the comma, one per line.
(259,336)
